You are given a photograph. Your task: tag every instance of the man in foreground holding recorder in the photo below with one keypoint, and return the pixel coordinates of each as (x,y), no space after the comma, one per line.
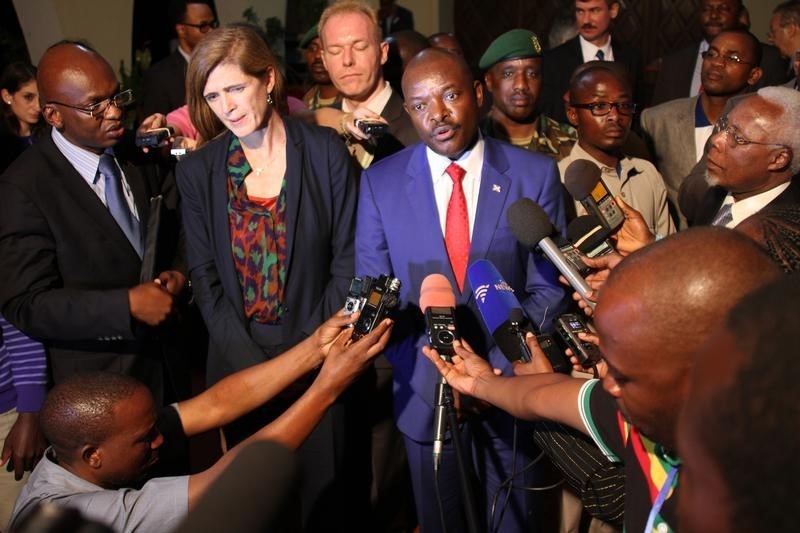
(632,417)
(106,430)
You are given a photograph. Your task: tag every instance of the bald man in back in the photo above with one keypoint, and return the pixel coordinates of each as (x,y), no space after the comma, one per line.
(652,314)
(73,221)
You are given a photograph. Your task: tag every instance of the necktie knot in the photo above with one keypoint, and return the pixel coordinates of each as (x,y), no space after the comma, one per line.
(601,56)
(456,172)
(117,204)
(724,216)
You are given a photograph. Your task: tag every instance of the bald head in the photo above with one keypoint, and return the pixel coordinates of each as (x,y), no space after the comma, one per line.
(65,62)
(80,410)
(689,282)
(658,306)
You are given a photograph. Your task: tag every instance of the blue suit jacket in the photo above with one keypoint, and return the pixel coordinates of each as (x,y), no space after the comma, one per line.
(398,231)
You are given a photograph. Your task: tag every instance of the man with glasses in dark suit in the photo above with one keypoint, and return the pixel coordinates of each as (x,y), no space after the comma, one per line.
(73,220)
(164,82)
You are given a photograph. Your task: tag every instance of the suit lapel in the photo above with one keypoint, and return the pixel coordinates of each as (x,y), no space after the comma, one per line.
(427,233)
(491,203)
(83,195)
(295,169)
(221,228)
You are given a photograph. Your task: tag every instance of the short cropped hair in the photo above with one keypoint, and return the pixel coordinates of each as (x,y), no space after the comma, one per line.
(784,129)
(789,13)
(80,410)
(347,7)
(748,426)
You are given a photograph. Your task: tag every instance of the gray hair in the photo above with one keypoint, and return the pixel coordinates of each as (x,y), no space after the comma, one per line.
(785,128)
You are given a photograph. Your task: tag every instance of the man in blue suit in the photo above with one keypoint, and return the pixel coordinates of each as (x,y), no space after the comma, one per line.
(419,214)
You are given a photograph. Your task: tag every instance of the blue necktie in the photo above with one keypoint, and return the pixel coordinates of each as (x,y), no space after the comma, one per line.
(601,56)
(724,216)
(116,203)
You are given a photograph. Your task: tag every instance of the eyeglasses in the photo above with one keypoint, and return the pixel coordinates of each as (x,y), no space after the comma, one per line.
(204,27)
(722,126)
(713,55)
(601,109)
(99,109)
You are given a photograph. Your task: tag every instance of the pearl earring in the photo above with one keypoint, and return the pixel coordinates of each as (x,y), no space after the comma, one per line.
(269,99)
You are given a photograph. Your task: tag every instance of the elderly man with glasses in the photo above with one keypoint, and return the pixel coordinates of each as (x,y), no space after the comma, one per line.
(601,108)
(753,158)
(74,215)
(164,81)
(677,130)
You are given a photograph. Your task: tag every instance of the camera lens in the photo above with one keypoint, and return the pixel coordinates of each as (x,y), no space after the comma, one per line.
(349,306)
(445,337)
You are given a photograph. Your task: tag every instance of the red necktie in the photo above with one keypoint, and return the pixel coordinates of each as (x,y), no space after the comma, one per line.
(456,232)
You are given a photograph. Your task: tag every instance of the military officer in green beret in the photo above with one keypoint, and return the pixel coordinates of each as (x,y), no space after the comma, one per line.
(512,67)
(322,93)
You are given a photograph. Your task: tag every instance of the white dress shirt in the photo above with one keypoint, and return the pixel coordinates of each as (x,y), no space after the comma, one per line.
(472,162)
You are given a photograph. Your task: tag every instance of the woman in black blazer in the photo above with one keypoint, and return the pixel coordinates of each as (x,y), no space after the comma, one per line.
(268,209)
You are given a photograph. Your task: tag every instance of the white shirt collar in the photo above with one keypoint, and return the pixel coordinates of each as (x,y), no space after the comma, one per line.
(589,50)
(84,161)
(753,204)
(374,103)
(472,162)
(186,55)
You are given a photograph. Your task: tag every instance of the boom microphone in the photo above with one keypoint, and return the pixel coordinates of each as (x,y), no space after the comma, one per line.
(438,301)
(582,180)
(589,236)
(531,227)
(505,318)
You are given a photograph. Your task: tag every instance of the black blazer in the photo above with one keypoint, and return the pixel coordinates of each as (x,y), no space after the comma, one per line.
(320,223)
(164,85)
(714,197)
(402,20)
(401,131)
(677,69)
(559,64)
(67,266)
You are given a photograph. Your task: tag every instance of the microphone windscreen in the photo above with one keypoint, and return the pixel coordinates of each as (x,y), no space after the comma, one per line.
(251,494)
(580,178)
(494,297)
(528,222)
(587,233)
(436,291)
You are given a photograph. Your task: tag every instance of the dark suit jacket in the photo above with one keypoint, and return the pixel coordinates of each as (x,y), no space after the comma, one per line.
(67,266)
(559,64)
(715,195)
(401,132)
(403,19)
(165,85)
(320,220)
(677,69)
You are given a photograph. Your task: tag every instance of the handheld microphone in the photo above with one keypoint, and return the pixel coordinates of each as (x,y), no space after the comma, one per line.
(589,236)
(531,227)
(506,319)
(438,301)
(582,180)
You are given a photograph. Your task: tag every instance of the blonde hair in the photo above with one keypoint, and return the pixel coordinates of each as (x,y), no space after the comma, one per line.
(237,44)
(347,7)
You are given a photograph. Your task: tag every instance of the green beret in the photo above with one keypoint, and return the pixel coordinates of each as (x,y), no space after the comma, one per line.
(310,35)
(513,44)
